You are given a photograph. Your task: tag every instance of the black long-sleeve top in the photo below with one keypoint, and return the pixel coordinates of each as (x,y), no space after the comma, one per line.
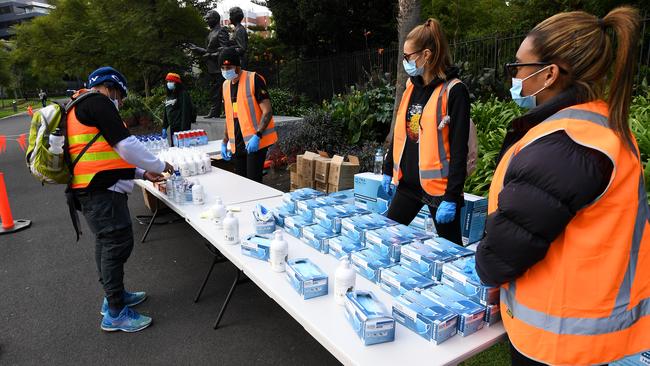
(458,109)
(545,185)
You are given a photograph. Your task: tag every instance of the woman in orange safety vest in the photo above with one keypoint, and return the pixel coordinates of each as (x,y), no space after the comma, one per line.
(567,234)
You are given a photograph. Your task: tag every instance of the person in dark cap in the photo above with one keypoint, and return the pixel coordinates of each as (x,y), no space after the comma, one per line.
(240,36)
(250,129)
(218,38)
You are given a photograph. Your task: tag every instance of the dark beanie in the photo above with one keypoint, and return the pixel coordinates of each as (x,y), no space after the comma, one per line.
(229,57)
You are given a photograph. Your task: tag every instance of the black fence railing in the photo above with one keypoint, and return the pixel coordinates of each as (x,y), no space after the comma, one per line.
(483,58)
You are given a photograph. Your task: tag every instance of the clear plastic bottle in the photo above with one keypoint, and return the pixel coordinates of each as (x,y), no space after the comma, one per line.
(379,161)
(56,141)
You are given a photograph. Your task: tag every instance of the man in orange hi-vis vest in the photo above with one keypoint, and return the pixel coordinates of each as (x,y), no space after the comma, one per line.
(250,129)
(106,159)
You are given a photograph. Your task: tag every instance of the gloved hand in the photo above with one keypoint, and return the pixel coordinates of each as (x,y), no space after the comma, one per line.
(164,133)
(225,153)
(446,212)
(253,144)
(385,184)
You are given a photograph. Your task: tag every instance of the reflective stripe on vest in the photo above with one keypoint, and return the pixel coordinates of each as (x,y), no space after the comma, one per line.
(99,157)
(588,300)
(433,167)
(249,112)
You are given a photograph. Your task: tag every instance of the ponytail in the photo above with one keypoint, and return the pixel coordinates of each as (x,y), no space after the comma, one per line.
(582,42)
(625,22)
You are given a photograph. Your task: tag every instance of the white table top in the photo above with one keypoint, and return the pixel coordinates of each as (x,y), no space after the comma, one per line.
(232,189)
(325,320)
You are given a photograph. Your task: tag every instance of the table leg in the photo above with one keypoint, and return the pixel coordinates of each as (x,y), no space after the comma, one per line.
(236,282)
(207,276)
(153,218)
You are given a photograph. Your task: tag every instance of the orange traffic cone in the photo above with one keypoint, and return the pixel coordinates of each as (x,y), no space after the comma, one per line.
(30,111)
(9,225)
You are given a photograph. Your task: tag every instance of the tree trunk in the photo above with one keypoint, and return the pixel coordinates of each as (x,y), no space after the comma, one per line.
(407,19)
(146,84)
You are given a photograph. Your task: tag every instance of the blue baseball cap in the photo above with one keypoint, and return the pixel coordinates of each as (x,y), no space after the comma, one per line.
(108,74)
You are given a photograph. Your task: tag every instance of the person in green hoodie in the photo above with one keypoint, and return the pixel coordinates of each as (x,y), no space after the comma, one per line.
(179,110)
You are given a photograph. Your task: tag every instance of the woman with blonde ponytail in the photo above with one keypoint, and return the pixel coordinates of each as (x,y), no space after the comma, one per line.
(568,233)
(427,159)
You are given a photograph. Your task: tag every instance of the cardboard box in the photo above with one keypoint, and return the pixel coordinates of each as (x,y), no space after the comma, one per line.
(355,227)
(424,259)
(398,279)
(341,174)
(306,278)
(386,243)
(294,224)
(444,245)
(289,200)
(330,217)
(473,214)
(369,264)
(322,168)
(492,314)
(321,187)
(432,321)
(306,164)
(369,318)
(317,237)
(342,246)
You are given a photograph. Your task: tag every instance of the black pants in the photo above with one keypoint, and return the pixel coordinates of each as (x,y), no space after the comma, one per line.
(108,217)
(407,203)
(250,166)
(216,93)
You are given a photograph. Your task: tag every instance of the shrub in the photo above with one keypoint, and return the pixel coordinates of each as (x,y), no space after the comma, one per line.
(286,103)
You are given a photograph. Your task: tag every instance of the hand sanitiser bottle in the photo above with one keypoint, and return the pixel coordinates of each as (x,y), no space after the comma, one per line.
(344,280)
(218,212)
(230,229)
(279,250)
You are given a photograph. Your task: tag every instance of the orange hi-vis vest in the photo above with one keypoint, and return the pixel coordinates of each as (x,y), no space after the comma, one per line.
(247,110)
(588,301)
(99,157)
(434,141)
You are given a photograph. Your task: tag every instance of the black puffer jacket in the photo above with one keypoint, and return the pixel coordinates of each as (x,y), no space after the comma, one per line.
(546,184)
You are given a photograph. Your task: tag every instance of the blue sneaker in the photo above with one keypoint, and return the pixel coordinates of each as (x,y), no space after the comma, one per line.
(131,299)
(127,321)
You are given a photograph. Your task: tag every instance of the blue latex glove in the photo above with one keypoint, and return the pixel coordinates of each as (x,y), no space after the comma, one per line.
(164,133)
(385,184)
(225,153)
(253,144)
(446,212)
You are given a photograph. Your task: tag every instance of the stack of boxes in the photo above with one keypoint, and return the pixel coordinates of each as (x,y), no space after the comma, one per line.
(325,174)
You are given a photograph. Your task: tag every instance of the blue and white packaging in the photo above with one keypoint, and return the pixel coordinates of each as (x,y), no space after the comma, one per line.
(369,193)
(473,215)
(317,237)
(381,219)
(461,276)
(355,227)
(256,246)
(306,208)
(330,217)
(432,322)
(341,246)
(280,213)
(443,245)
(369,264)
(492,314)
(353,209)
(471,315)
(290,199)
(264,220)
(424,259)
(369,318)
(306,278)
(410,233)
(294,225)
(386,242)
(397,280)
(345,195)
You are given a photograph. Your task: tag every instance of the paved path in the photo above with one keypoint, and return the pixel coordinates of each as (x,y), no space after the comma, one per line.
(50,297)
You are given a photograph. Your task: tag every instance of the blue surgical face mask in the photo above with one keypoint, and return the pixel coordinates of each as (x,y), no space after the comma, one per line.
(171,85)
(411,68)
(229,74)
(529,101)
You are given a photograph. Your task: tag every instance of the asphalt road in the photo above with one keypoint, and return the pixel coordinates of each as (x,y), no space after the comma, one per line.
(50,297)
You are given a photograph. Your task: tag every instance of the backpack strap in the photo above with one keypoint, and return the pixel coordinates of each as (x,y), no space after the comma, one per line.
(445,100)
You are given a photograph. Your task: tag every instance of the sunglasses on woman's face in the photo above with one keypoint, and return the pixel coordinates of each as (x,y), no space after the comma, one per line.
(513,68)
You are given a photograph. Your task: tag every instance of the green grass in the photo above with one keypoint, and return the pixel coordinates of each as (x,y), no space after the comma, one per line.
(6,108)
(497,355)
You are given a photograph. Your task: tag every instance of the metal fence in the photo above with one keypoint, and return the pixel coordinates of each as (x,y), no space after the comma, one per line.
(321,78)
